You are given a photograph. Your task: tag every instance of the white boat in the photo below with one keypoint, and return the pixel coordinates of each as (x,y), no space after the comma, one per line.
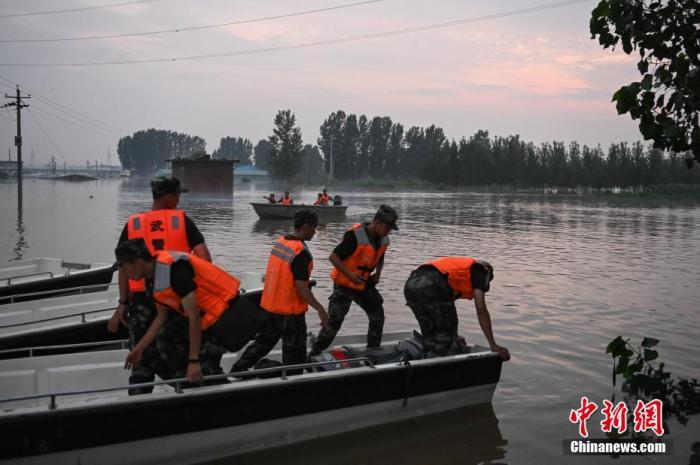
(73,319)
(68,409)
(278,211)
(33,278)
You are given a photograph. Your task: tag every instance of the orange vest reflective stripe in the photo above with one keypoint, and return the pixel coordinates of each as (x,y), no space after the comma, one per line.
(280,294)
(215,287)
(458,272)
(286,201)
(162,230)
(363,261)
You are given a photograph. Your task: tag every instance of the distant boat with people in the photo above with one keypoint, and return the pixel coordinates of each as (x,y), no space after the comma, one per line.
(277,211)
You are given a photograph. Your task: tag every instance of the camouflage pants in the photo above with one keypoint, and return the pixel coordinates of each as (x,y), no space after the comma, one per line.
(292,330)
(173,344)
(167,356)
(339,303)
(432,302)
(142,311)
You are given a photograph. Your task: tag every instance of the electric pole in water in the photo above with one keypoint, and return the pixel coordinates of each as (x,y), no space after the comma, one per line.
(18,104)
(331,156)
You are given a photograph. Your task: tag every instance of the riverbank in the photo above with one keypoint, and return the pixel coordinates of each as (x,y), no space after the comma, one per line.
(403,185)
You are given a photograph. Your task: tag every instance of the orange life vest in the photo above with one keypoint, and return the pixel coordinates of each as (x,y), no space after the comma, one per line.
(286,201)
(458,272)
(280,294)
(215,287)
(363,261)
(162,230)
(325,199)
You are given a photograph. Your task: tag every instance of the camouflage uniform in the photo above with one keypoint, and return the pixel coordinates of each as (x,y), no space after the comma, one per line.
(431,299)
(142,311)
(167,356)
(174,348)
(339,303)
(292,330)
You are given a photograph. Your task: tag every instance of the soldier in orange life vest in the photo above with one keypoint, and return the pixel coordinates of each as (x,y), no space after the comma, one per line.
(431,291)
(287,296)
(204,293)
(286,200)
(357,266)
(164,227)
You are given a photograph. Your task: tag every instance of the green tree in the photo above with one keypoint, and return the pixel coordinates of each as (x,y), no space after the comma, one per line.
(666,100)
(147,150)
(311,162)
(286,145)
(331,133)
(232,148)
(379,134)
(262,154)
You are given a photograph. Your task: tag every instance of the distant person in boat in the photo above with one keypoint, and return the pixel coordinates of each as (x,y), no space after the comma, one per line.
(205,294)
(357,267)
(431,291)
(163,228)
(286,199)
(271,198)
(286,297)
(319,199)
(325,197)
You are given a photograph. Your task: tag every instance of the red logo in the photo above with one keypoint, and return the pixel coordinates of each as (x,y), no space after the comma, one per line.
(646,416)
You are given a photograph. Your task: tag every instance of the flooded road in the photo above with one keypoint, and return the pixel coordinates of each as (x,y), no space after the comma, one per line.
(571,273)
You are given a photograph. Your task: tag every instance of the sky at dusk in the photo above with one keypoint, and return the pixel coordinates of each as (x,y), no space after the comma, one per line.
(539,74)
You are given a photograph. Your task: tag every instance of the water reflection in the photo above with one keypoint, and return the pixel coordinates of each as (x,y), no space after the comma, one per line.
(468,436)
(21,244)
(273,228)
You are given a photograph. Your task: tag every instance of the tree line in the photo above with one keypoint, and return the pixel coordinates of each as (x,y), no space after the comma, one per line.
(360,147)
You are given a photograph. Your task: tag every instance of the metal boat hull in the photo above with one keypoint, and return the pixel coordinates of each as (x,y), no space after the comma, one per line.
(273,211)
(219,421)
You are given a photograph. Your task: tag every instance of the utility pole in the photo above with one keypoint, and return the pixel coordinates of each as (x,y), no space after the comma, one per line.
(331,156)
(18,104)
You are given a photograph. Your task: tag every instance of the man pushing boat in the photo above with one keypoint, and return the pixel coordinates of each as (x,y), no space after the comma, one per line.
(202,292)
(431,291)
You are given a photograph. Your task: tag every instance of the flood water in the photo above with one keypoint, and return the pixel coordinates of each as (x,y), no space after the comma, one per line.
(571,273)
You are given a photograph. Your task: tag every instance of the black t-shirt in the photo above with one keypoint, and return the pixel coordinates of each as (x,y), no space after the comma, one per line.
(479,276)
(300,264)
(194,237)
(181,279)
(348,245)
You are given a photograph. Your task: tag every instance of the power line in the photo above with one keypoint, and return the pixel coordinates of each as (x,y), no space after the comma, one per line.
(53,144)
(75,10)
(191,28)
(84,120)
(69,111)
(95,131)
(321,43)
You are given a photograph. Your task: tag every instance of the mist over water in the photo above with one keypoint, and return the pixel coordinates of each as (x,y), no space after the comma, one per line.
(571,273)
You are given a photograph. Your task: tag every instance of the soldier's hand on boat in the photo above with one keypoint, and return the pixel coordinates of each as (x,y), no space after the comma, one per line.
(133,358)
(461,340)
(502,351)
(117,317)
(194,372)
